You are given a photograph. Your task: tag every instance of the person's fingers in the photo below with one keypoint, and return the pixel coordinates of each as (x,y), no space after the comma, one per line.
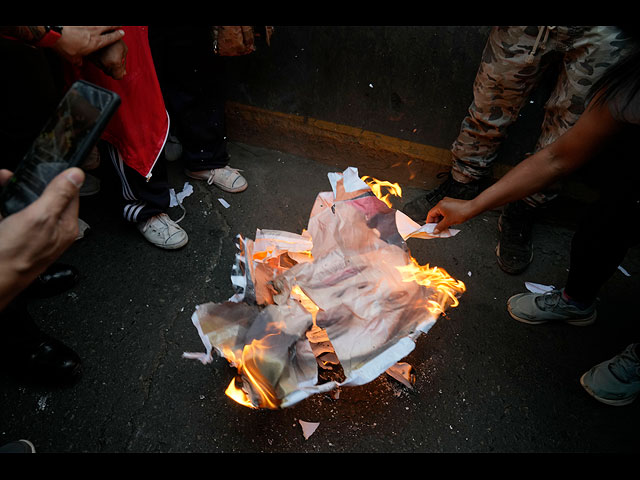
(438,215)
(62,193)
(5,175)
(442,225)
(434,215)
(108,38)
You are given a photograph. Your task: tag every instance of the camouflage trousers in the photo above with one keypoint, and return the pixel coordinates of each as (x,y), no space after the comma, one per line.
(511,67)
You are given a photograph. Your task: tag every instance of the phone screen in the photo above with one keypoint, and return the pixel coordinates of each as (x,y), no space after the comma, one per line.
(65,141)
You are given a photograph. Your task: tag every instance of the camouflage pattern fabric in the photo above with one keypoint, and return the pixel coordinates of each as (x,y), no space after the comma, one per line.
(510,68)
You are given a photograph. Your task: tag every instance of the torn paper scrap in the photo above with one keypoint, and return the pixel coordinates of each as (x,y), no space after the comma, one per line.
(623,271)
(82,228)
(402,372)
(345,295)
(410,229)
(538,288)
(308,428)
(177,198)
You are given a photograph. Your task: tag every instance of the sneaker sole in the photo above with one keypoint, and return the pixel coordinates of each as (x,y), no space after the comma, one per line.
(171,247)
(576,323)
(615,403)
(221,187)
(174,246)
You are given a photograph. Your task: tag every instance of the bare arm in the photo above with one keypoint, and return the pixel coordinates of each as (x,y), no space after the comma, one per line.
(33,238)
(569,152)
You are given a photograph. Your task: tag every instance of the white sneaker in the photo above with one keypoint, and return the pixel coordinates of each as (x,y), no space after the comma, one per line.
(163,232)
(225,178)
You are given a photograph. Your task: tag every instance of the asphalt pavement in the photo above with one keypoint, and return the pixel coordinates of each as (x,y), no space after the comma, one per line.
(484,383)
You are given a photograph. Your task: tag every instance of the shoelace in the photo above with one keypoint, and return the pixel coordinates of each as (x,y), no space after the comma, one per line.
(625,367)
(550,300)
(226,171)
(539,43)
(163,219)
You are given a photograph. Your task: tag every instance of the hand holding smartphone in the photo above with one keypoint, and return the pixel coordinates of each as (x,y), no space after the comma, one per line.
(65,141)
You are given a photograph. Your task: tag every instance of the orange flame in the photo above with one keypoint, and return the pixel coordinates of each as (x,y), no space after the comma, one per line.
(251,355)
(248,368)
(238,395)
(436,278)
(376,187)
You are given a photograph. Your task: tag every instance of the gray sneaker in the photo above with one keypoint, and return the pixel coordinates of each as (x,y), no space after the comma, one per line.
(535,309)
(19,446)
(615,381)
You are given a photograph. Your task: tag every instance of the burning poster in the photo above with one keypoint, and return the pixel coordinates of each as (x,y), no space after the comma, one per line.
(345,296)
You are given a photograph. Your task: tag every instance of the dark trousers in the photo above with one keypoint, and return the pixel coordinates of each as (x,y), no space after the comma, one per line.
(193,84)
(141,198)
(612,224)
(596,251)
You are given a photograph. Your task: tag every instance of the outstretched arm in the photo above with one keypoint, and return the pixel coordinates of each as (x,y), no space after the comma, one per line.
(569,152)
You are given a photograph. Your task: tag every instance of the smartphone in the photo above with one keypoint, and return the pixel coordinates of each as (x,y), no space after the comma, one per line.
(64,142)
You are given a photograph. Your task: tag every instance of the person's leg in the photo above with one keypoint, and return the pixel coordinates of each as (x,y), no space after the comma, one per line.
(587,53)
(503,83)
(193,82)
(146,201)
(594,258)
(505,79)
(596,255)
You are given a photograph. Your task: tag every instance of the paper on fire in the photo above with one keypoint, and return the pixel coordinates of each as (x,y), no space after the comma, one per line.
(349,278)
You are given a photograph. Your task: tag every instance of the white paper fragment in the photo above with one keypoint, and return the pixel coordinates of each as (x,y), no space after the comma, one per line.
(623,271)
(42,402)
(350,180)
(308,428)
(538,288)
(407,228)
(469,273)
(82,227)
(176,199)
(224,203)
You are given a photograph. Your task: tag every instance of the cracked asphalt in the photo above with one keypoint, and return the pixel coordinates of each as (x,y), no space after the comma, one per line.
(484,382)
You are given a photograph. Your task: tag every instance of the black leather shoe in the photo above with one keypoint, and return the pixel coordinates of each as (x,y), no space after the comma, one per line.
(418,209)
(27,353)
(56,279)
(40,358)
